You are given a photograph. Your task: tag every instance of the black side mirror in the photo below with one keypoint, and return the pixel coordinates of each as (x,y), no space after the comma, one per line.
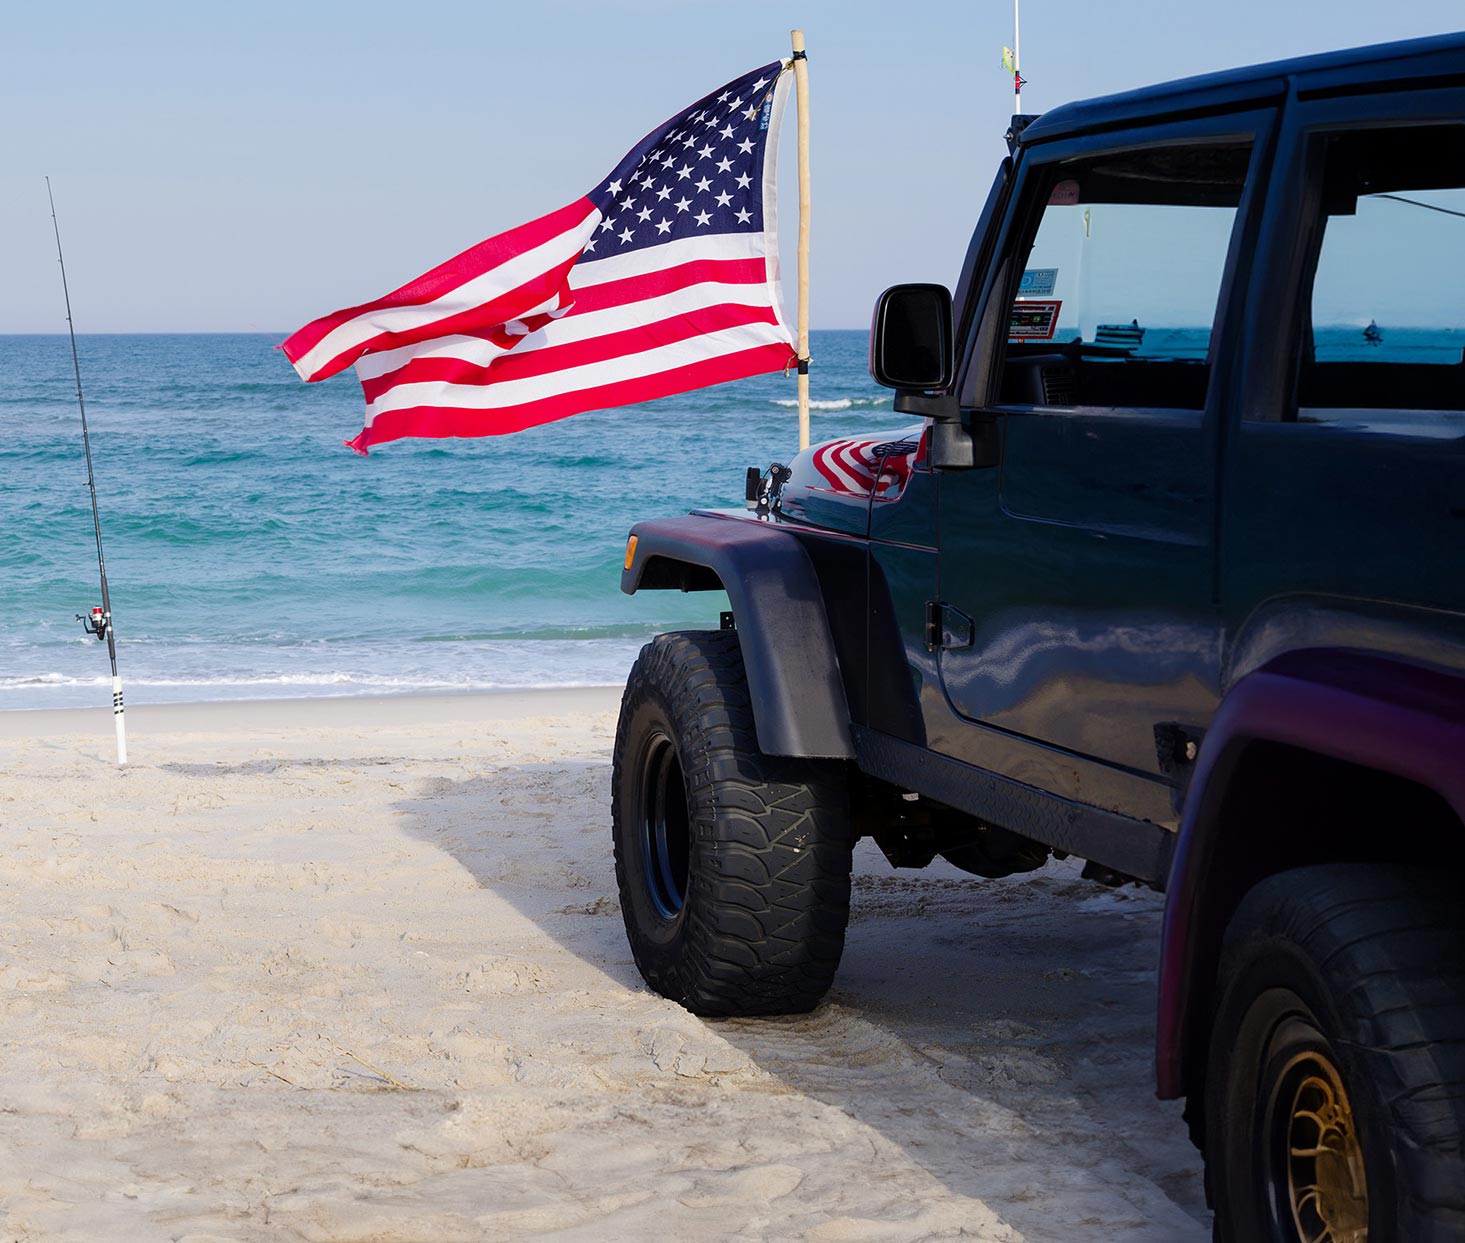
(911,351)
(910,338)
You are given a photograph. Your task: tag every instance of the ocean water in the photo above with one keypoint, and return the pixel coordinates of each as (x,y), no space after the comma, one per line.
(1334,343)
(251,555)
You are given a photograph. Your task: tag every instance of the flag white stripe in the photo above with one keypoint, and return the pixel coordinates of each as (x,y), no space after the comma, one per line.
(591,271)
(769,238)
(464,349)
(619,267)
(510,274)
(570,379)
(849,463)
(581,327)
(377,363)
(836,467)
(590,324)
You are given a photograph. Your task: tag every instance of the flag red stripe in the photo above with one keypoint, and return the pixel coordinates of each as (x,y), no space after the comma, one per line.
(443,279)
(681,327)
(606,296)
(441,421)
(669,280)
(507,306)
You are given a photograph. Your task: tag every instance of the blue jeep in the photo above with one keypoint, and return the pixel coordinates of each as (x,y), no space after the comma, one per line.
(1167,572)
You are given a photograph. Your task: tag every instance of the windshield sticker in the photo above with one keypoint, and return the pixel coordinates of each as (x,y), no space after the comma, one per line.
(1065,194)
(1038,283)
(1033,321)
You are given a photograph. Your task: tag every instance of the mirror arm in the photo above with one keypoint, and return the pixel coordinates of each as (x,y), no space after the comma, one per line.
(943,407)
(952,445)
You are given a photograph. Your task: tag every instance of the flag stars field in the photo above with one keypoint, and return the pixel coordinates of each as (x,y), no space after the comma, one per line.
(660,161)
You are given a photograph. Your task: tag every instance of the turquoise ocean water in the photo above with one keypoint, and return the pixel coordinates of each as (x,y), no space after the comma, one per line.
(251,555)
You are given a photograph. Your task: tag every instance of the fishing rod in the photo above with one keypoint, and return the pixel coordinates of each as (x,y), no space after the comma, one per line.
(99,622)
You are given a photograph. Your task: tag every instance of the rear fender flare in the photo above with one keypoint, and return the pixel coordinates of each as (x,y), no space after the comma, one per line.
(1401,719)
(799,702)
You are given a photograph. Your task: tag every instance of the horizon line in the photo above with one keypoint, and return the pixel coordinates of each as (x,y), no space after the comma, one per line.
(219,332)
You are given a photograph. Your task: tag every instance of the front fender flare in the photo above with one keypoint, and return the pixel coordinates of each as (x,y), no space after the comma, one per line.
(794,678)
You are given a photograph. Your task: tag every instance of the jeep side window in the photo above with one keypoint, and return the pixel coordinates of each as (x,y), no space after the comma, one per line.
(1383,325)
(1119,286)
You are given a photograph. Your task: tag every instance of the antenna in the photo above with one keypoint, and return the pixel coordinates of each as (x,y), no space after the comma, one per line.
(1016,58)
(1012,58)
(99,622)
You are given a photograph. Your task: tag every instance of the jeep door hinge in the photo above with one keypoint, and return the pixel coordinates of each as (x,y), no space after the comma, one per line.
(946,627)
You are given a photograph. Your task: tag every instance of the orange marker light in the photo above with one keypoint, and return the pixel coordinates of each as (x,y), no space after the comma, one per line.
(630,551)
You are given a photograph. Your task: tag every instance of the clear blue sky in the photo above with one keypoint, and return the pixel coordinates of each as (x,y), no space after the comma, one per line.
(250,166)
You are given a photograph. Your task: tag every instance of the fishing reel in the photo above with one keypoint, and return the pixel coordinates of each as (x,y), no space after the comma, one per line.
(97,623)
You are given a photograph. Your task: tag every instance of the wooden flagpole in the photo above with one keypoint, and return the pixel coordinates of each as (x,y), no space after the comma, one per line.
(801,85)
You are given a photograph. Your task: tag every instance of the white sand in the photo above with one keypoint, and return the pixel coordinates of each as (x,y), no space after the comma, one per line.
(354,970)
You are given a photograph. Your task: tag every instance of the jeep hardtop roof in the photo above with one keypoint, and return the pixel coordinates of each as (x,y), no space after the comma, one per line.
(1385,66)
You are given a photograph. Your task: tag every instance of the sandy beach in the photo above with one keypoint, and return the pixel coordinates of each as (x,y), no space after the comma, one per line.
(354,970)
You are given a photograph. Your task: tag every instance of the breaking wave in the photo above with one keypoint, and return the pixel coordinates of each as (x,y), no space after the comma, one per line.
(835,403)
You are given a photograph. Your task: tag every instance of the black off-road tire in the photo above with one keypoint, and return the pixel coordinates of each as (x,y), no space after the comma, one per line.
(1355,971)
(733,866)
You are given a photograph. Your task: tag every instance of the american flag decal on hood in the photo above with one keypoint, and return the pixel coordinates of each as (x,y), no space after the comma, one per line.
(877,468)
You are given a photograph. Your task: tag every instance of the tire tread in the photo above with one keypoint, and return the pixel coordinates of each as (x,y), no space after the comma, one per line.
(766,919)
(1390,941)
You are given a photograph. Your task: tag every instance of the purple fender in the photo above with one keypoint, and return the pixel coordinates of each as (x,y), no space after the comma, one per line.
(1383,714)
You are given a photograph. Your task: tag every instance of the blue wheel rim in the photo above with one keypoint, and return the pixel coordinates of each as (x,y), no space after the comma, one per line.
(666,837)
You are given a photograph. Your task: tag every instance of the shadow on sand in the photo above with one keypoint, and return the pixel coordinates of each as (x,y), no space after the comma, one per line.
(998,1032)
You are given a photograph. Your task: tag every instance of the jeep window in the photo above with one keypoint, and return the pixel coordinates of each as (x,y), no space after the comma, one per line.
(1383,325)
(1121,273)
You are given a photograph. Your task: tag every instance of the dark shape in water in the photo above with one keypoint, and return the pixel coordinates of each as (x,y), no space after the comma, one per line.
(1371,334)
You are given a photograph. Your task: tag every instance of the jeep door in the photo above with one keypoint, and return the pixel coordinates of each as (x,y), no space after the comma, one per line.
(1086,561)
(1345,478)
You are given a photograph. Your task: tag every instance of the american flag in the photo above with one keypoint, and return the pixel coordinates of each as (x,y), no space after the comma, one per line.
(663,278)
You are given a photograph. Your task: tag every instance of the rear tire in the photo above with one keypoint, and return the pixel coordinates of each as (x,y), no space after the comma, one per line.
(733,866)
(1335,1091)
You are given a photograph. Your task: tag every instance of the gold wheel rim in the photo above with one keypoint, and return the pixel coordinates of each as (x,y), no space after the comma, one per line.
(1326,1185)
